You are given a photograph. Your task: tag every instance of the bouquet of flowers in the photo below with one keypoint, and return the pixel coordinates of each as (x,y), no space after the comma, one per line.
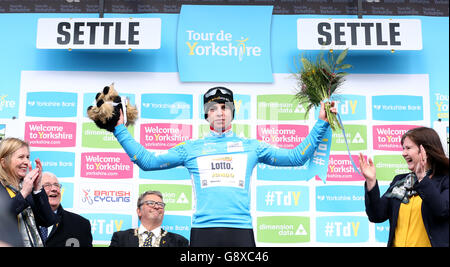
(320,81)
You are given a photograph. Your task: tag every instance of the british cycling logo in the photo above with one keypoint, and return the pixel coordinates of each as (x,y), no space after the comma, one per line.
(91,197)
(220,44)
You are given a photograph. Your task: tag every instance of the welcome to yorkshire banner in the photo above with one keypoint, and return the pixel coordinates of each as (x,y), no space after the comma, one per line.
(317,7)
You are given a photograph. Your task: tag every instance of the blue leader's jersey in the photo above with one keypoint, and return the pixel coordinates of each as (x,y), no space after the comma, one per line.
(220,166)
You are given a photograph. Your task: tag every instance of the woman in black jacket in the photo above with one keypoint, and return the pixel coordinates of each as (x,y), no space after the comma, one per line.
(415,203)
(22,184)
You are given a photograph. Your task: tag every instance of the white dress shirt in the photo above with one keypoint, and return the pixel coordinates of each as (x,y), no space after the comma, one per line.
(156,233)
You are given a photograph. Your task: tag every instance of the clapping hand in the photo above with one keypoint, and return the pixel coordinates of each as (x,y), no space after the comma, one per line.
(32,180)
(368,171)
(421,166)
(37,181)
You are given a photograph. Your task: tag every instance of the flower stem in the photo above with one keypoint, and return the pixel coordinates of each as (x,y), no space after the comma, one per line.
(332,118)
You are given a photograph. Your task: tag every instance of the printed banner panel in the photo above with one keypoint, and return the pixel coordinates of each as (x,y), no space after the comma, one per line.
(102,33)
(359,34)
(318,7)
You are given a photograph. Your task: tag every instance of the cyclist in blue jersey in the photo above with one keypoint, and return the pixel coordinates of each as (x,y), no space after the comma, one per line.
(220,166)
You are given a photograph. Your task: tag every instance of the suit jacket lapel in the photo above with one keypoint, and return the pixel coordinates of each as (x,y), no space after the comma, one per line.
(59,214)
(164,242)
(133,240)
(164,239)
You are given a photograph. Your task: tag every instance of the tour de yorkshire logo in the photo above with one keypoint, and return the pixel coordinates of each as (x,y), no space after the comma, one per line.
(211,47)
(232,48)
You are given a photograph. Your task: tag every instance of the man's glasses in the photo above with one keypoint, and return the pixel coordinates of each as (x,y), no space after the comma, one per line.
(48,185)
(214,91)
(152,203)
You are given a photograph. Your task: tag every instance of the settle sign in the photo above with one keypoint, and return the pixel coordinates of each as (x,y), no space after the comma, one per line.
(99,33)
(359,34)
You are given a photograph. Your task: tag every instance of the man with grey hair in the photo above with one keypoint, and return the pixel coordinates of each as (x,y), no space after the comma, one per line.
(150,210)
(71,230)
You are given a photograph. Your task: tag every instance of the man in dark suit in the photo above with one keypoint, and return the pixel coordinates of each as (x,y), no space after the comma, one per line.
(71,230)
(150,210)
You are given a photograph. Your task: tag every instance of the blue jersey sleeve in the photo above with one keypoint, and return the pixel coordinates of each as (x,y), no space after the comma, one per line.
(297,156)
(145,159)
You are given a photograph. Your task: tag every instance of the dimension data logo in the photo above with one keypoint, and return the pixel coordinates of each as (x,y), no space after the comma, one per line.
(224,44)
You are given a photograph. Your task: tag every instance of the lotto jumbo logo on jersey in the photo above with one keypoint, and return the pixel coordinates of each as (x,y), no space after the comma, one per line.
(213,47)
(222,171)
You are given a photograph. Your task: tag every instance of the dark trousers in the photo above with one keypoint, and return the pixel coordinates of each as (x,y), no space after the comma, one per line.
(222,237)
